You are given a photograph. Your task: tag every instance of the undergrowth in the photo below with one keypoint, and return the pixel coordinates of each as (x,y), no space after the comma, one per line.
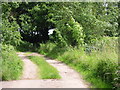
(11,63)
(97,63)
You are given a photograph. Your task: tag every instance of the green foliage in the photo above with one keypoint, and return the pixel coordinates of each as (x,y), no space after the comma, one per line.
(71,32)
(75,22)
(46,71)
(0,65)
(107,44)
(100,64)
(11,63)
(97,19)
(44,48)
(25,46)
(93,66)
(10,33)
(68,31)
(50,49)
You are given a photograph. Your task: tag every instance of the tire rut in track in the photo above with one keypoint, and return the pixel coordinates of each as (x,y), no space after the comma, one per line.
(70,78)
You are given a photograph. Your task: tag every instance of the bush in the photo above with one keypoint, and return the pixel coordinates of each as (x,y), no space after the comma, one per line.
(46,48)
(51,50)
(25,46)
(10,33)
(11,63)
(69,32)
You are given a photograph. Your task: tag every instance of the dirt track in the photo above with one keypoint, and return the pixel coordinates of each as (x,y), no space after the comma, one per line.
(70,78)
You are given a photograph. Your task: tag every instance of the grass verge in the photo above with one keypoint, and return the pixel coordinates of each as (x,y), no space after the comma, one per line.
(98,65)
(46,71)
(11,64)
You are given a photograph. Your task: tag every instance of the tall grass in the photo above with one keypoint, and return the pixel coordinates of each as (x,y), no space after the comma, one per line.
(46,71)
(11,64)
(98,63)
(94,67)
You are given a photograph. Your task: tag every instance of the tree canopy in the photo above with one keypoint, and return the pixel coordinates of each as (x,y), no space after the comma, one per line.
(75,23)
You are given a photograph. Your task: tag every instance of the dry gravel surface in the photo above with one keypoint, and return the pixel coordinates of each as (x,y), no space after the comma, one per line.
(29,79)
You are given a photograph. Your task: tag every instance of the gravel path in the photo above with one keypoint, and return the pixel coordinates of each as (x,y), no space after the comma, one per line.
(30,69)
(70,78)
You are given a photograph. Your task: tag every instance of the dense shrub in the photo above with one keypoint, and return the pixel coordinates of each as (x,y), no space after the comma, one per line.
(11,63)
(69,32)
(10,33)
(25,46)
(51,49)
(44,48)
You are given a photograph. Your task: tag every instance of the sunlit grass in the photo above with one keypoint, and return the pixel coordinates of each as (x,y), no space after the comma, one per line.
(94,68)
(12,65)
(99,66)
(46,71)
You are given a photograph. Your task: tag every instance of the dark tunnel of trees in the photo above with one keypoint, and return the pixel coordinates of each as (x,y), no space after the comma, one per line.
(35,36)
(32,22)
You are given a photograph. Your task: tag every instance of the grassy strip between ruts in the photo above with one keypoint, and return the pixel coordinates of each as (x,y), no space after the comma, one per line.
(46,71)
